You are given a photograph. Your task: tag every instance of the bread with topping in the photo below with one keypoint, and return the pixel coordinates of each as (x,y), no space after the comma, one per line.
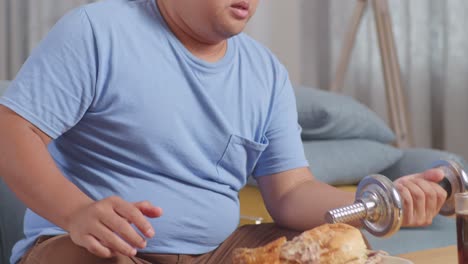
(326,244)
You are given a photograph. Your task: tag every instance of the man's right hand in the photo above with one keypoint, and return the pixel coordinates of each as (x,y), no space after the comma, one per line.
(105,228)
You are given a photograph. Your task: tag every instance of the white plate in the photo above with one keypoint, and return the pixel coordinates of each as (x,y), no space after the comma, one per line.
(395,260)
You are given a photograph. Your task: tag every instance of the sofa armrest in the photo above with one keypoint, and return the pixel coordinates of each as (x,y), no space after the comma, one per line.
(11,221)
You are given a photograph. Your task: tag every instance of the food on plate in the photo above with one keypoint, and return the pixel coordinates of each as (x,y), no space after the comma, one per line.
(326,244)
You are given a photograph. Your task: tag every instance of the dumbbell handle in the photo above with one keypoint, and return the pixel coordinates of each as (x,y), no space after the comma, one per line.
(359,210)
(378,205)
(445,184)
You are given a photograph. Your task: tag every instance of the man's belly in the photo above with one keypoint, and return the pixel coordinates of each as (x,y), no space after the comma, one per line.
(194,221)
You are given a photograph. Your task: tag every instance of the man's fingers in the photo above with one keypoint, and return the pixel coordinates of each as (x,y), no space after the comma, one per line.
(417,199)
(422,196)
(133,215)
(148,209)
(110,240)
(441,197)
(431,200)
(419,202)
(123,228)
(95,247)
(433,175)
(107,227)
(407,200)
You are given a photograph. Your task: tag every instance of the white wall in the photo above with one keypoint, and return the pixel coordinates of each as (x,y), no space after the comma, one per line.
(277,24)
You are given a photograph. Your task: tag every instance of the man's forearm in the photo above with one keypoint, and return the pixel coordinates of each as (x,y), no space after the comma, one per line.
(304,207)
(28,169)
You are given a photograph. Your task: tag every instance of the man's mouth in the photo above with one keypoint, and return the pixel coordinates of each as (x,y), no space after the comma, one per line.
(241,9)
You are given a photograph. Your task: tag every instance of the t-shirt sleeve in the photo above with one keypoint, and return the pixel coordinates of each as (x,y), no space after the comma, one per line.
(56,84)
(285,150)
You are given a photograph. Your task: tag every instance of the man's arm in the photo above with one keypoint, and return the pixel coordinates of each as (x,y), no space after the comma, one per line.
(296,200)
(28,169)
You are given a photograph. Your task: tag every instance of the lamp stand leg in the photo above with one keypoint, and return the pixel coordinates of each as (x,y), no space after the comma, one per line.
(396,101)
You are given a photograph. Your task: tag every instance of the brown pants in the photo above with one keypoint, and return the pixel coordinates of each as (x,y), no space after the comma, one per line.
(61,249)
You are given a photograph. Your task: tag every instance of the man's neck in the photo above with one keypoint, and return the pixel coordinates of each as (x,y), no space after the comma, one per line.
(210,52)
(205,51)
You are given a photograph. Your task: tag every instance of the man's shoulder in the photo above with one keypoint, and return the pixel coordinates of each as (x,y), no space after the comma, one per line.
(116,18)
(111,6)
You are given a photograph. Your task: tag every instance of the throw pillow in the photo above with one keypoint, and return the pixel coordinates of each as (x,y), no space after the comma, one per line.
(327,115)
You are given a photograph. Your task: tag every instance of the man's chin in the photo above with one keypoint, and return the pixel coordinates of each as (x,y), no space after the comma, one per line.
(231,28)
(234,31)
(233,34)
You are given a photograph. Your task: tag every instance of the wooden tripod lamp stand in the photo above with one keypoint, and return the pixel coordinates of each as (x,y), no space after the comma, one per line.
(396,103)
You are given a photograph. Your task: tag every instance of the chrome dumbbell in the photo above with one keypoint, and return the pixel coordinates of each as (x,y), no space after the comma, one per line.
(379,207)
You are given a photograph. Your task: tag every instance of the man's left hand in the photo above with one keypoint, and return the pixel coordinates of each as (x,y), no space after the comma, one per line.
(422,197)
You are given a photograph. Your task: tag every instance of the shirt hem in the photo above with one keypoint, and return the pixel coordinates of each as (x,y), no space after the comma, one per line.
(277,168)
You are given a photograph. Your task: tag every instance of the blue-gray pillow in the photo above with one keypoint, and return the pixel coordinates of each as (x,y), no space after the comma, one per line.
(340,162)
(416,160)
(347,161)
(327,115)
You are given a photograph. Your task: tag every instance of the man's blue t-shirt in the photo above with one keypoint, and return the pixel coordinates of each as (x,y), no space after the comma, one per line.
(133,113)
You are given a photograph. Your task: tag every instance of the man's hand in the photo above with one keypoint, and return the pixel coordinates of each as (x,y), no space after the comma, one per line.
(104,227)
(422,197)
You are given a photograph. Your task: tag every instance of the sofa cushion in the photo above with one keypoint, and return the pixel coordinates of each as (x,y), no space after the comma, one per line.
(347,161)
(326,115)
(416,160)
(11,221)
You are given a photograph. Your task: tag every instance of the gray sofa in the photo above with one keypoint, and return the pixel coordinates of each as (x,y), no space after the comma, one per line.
(11,221)
(11,214)
(339,151)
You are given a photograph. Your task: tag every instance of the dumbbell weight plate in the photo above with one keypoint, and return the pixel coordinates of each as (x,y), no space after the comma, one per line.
(388,210)
(457,180)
